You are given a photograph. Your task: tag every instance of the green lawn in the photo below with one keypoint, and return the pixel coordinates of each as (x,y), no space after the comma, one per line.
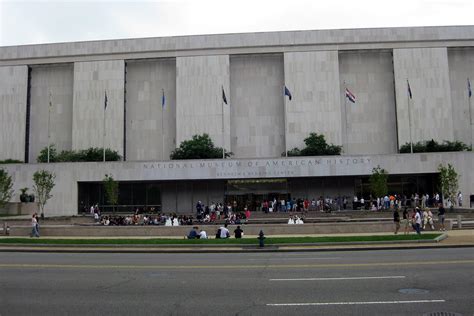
(231,241)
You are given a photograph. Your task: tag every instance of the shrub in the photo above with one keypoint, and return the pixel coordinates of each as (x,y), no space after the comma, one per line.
(7,161)
(83,155)
(434,146)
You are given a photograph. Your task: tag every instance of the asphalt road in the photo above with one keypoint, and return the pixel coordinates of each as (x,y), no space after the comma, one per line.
(398,282)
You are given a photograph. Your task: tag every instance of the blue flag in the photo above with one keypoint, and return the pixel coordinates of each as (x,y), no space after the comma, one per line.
(105,101)
(163,98)
(224,99)
(409,90)
(288,93)
(469,91)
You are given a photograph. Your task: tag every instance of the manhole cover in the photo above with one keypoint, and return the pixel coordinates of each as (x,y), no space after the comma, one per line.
(413,291)
(442,314)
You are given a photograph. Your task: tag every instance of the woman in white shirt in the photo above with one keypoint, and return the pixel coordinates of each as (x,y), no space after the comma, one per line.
(34,226)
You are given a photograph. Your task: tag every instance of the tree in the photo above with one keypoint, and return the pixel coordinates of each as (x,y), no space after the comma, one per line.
(44,183)
(378,182)
(316,145)
(448,178)
(6,185)
(111,190)
(199,147)
(53,154)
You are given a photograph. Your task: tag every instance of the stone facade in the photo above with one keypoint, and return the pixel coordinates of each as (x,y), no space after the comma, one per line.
(257,124)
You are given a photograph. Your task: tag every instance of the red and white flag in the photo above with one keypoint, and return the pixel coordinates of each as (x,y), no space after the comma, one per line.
(350,96)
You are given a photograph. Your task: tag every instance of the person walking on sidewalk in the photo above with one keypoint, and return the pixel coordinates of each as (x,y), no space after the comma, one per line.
(34,226)
(396,220)
(441,212)
(418,221)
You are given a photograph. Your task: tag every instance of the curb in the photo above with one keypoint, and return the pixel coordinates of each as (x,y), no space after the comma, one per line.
(236,250)
(315,247)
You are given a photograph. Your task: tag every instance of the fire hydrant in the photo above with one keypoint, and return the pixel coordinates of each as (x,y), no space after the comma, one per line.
(261,238)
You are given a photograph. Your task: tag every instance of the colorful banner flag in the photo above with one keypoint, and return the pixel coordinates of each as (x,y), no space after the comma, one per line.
(469,91)
(350,96)
(105,101)
(288,93)
(409,90)
(163,100)
(224,99)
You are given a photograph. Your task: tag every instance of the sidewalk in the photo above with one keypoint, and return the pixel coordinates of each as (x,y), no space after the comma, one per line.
(458,238)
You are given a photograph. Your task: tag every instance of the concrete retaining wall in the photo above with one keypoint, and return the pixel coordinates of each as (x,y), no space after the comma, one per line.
(19,209)
(181,231)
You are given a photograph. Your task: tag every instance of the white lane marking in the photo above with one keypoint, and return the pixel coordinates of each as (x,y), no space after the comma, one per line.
(348,278)
(358,303)
(294,258)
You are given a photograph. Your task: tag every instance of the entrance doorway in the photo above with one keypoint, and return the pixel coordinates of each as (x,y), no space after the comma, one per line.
(252,193)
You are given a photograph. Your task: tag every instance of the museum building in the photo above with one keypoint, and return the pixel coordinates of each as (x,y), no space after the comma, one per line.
(257,95)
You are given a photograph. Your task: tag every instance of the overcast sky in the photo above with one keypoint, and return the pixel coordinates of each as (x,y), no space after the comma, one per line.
(40,21)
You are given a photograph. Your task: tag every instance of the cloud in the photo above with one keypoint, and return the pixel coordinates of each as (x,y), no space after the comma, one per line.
(40,21)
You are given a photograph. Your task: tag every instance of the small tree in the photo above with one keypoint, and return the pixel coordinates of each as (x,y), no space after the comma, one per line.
(111,190)
(199,147)
(6,185)
(448,178)
(378,182)
(44,183)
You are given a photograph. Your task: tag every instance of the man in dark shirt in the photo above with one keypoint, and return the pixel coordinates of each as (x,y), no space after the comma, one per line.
(396,220)
(238,232)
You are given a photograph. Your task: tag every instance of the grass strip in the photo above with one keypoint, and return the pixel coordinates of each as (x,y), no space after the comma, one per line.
(230,241)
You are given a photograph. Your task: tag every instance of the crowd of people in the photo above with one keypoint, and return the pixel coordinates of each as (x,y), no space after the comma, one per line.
(234,214)
(146,219)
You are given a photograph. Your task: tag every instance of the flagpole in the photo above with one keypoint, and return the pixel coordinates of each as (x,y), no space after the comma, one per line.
(49,119)
(103,136)
(347,120)
(286,123)
(409,117)
(162,127)
(223,136)
(470,114)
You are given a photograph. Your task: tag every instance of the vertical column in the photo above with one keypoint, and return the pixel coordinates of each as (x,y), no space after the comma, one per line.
(146,82)
(431,110)
(257,105)
(370,122)
(91,80)
(13,93)
(461,67)
(57,80)
(199,82)
(313,78)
